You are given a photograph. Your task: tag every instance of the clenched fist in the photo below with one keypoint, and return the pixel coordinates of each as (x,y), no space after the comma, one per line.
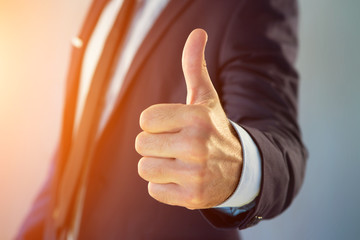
(191,154)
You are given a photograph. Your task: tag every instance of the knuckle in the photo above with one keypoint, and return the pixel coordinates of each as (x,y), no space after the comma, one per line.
(140,142)
(142,168)
(197,132)
(200,121)
(199,115)
(204,114)
(149,115)
(199,174)
(195,198)
(144,119)
(197,149)
(148,169)
(151,190)
(156,193)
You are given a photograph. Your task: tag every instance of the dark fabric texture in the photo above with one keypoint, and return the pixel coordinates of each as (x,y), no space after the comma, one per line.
(250,56)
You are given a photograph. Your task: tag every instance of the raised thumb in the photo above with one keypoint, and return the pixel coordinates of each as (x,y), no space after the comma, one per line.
(198,82)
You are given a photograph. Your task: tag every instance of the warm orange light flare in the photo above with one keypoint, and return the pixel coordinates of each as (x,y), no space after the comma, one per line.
(34,52)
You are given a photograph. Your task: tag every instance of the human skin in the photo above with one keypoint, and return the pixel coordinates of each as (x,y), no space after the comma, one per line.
(192,156)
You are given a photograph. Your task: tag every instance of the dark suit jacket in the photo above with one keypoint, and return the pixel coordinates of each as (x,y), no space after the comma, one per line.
(250,56)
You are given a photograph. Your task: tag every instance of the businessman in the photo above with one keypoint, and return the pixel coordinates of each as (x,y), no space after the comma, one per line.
(212,112)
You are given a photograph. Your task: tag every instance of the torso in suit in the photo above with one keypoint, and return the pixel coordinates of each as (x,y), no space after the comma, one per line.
(250,56)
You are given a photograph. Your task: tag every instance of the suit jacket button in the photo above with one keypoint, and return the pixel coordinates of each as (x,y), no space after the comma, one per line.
(254,221)
(77,42)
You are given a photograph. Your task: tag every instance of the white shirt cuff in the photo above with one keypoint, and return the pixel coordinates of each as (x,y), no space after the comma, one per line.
(249,184)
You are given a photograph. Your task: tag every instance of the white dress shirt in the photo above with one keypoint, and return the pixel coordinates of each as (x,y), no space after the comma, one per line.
(147,11)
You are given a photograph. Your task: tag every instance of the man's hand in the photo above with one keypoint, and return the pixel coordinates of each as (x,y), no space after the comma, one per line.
(192,156)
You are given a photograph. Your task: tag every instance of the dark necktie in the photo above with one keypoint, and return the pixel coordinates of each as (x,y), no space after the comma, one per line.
(84,138)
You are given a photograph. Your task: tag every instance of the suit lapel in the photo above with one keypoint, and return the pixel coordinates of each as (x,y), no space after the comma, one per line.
(169,15)
(72,84)
(79,44)
(171,12)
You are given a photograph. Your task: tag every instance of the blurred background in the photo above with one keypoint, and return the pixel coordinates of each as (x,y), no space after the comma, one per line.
(34,52)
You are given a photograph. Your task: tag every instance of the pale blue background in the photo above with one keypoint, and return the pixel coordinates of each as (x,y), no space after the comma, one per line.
(328,204)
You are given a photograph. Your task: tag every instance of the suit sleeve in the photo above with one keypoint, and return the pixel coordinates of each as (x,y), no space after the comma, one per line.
(259,91)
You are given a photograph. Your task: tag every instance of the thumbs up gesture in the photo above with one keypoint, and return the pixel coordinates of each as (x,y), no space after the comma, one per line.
(191,154)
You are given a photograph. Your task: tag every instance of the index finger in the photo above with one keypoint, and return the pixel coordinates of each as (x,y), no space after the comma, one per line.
(163,118)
